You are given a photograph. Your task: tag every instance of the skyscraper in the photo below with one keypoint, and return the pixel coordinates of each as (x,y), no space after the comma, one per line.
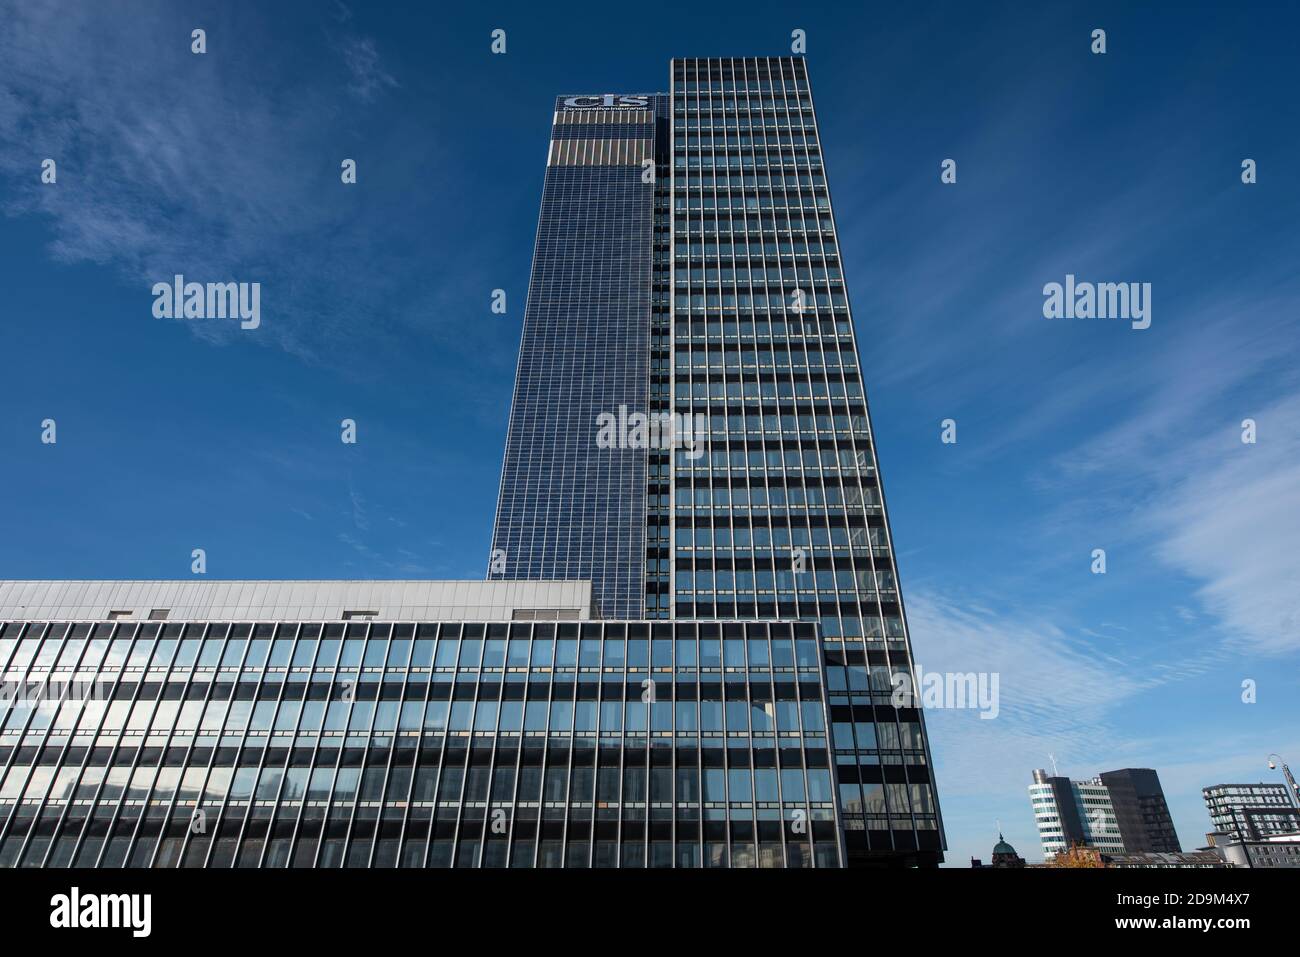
(684,651)
(1073,813)
(1141,813)
(569,509)
(687,269)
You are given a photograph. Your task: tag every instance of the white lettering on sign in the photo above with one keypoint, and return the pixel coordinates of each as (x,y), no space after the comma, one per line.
(609,101)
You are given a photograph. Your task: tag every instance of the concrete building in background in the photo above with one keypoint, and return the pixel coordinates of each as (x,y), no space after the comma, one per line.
(1251,812)
(1123,817)
(1004,856)
(1073,813)
(1276,851)
(1145,825)
(1206,857)
(1118,813)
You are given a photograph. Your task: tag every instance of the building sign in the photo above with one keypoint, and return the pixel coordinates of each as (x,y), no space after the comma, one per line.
(608,101)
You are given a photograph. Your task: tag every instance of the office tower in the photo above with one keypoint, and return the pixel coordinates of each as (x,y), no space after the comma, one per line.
(783,516)
(1251,812)
(1070,813)
(687,269)
(691,662)
(1145,825)
(402,724)
(568,508)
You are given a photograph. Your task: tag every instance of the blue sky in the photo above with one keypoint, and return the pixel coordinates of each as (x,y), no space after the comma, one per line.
(1072,435)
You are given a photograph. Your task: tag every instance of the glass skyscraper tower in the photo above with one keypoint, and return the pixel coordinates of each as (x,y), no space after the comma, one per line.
(686,651)
(687,264)
(568,509)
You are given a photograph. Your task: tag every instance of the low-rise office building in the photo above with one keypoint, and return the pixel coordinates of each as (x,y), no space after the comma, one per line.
(1275,851)
(281,741)
(1165,859)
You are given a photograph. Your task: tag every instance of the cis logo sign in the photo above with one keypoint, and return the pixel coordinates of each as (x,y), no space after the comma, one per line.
(609,101)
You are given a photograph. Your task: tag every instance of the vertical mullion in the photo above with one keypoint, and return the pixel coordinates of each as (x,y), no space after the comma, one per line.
(49,730)
(85,763)
(239,749)
(171,805)
(212,758)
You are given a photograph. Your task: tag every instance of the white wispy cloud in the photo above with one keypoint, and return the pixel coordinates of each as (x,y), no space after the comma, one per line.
(1063,695)
(369,78)
(1231,520)
(217,166)
(1171,478)
(1058,690)
(1055,697)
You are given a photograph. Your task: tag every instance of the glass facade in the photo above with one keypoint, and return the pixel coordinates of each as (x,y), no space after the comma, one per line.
(569,509)
(734,707)
(745,315)
(310,744)
(784,516)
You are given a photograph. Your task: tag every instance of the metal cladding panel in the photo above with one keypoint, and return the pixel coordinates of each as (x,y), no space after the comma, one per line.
(271,600)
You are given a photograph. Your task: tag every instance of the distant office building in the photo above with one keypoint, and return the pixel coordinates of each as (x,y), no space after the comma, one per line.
(1280,850)
(1251,812)
(1074,813)
(1145,825)
(1181,859)
(1004,856)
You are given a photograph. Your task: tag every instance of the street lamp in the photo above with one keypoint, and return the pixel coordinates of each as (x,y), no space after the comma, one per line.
(1292,790)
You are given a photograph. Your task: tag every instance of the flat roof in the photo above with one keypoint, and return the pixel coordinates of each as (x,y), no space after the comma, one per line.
(300,599)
